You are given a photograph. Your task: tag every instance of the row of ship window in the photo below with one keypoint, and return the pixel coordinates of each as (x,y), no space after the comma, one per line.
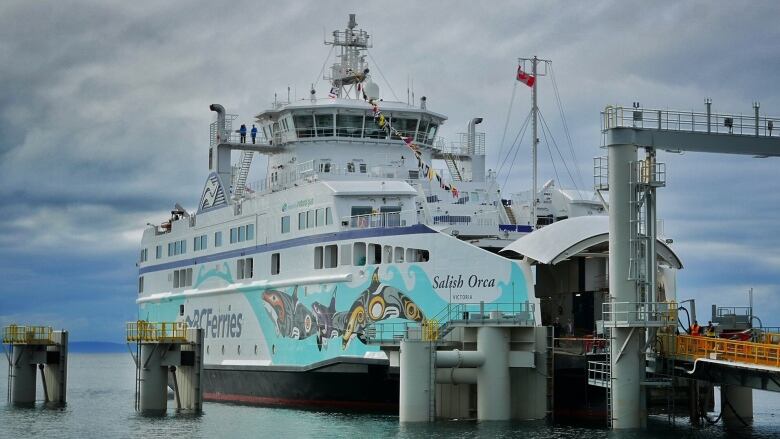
(354,125)
(325,256)
(306,220)
(175,248)
(309,219)
(360,253)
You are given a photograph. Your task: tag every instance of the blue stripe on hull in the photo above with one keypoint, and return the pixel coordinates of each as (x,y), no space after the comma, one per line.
(295,242)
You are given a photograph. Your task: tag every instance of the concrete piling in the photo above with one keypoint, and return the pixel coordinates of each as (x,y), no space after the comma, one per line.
(163,350)
(33,349)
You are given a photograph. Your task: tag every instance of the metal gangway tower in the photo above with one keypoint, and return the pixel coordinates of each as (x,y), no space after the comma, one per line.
(632,232)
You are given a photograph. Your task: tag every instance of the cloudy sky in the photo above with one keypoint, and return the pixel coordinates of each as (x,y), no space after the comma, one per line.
(104,120)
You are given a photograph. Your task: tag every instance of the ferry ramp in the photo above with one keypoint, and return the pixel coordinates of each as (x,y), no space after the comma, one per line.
(724,362)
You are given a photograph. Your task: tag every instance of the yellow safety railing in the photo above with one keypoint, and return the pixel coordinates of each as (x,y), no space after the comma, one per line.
(16,334)
(430,330)
(143,331)
(769,338)
(692,348)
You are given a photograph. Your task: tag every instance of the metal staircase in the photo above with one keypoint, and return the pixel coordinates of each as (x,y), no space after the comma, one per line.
(239,178)
(510,215)
(452,165)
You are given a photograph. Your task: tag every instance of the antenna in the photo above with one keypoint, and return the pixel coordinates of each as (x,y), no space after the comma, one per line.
(350,68)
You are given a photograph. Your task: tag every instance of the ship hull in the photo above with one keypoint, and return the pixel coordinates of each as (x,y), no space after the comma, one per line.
(355,386)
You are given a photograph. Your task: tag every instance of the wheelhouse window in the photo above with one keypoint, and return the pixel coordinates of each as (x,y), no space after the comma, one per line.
(422,131)
(404,126)
(304,125)
(431,134)
(348,125)
(286,224)
(324,125)
(217,239)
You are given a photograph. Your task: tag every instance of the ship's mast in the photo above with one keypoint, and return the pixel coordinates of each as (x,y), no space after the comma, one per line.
(535,142)
(351,67)
(535,72)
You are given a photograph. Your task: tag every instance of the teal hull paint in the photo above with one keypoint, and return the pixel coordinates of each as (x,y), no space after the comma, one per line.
(293,351)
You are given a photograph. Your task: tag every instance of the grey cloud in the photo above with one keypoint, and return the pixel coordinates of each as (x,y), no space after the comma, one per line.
(104,118)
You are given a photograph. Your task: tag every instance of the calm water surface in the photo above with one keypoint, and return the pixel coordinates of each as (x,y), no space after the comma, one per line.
(100,404)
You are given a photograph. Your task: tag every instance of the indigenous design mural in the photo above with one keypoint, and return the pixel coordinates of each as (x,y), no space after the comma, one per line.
(376,303)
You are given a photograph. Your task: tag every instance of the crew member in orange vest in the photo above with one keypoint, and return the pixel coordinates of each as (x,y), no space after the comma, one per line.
(695,328)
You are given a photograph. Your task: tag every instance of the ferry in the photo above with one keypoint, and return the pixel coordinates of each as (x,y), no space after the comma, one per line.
(352,225)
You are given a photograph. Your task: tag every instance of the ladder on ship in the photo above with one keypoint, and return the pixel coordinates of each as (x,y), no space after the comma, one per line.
(239,179)
(137,359)
(452,166)
(550,363)
(432,381)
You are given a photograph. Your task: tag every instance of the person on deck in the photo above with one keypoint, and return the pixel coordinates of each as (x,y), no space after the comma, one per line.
(709,331)
(695,329)
(254,133)
(242,132)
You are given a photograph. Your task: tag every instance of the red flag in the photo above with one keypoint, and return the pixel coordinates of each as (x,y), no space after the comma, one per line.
(524,77)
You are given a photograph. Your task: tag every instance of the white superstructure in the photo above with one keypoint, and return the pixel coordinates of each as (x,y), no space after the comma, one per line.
(352,225)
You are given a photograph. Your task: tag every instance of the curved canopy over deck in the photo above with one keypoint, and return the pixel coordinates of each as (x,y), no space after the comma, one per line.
(575,236)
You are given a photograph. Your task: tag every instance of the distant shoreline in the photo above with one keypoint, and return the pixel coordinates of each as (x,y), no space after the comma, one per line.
(96,347)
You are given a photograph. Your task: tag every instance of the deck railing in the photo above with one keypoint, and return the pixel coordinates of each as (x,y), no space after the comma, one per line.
(691,121)
(695,347)
(16,334)
(433,329)
(636,313)
(143,331)
(380,220)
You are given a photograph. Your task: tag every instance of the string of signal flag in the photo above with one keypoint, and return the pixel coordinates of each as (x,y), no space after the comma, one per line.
(384,124)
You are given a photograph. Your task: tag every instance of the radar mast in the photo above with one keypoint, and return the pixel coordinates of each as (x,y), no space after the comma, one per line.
(351,68)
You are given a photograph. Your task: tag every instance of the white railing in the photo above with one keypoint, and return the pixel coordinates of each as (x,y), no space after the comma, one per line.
(381,220)
(482,219)
(599,373)
(621,117)
(315,170)
(639,313)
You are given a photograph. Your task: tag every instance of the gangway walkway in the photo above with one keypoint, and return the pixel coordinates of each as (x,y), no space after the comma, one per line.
(692,348)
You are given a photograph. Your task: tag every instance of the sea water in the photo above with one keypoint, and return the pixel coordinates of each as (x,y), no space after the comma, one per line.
(101,399)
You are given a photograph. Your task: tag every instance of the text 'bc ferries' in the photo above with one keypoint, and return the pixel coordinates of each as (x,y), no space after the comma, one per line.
(352,225)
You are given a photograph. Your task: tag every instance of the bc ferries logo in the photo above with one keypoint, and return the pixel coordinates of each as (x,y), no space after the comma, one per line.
(213,194)
(217,325)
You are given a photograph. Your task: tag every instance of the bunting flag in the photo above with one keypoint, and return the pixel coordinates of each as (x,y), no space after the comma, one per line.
(333,92)
(524,77)
(385,125)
